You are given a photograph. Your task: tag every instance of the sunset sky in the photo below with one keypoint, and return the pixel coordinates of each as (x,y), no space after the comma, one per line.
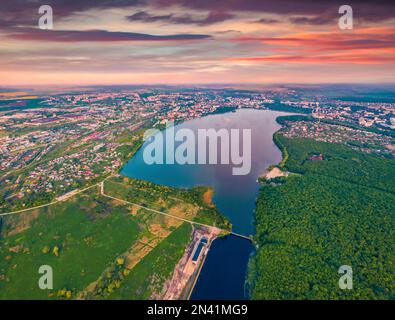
(196,41)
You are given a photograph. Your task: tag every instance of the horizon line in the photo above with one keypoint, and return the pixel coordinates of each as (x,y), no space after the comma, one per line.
(9,86)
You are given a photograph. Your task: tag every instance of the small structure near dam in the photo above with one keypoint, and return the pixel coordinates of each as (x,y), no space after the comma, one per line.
(188,268)
(198,249)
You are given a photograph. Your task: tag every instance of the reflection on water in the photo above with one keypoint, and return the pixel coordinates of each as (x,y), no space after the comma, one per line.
(224,271)
(234,195)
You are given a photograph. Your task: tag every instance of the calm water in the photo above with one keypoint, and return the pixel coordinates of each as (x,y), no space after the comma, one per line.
(224,271)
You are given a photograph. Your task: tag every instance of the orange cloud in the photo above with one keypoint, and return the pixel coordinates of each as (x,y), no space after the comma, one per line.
(371,38)
(324,59)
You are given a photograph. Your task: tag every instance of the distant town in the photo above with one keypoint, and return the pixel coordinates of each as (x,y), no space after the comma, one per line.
(53,144)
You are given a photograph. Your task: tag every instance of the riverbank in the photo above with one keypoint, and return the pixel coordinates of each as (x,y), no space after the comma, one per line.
(273,173)
(188,268)
(224,270)
(333,218)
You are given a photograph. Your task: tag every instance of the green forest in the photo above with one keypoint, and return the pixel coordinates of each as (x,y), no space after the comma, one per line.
(334,212)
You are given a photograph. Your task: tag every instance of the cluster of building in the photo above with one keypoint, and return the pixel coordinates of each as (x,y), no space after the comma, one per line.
(381,115)
(186,106)
(18,151)
(362,140)
(71,171)
(44,138)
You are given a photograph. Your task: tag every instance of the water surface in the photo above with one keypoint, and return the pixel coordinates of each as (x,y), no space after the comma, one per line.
(224,271)
(234,195)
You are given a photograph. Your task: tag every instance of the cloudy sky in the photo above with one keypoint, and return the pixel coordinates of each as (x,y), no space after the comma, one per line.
(196,41)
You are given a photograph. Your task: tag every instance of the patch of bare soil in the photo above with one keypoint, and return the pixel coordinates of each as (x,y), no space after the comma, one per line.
(159,231)
(274,173)
(208,197)
(134,210)
(183,210)
(20,222)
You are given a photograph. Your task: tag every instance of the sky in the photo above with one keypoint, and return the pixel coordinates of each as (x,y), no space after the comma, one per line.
(98,42)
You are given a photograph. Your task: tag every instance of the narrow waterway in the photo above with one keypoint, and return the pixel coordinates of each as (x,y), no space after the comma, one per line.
(223,274)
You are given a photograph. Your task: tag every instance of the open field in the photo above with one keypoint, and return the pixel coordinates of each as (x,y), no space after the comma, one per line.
(20,95)
(192,204)
(87,232)
(98,248)
(147,279)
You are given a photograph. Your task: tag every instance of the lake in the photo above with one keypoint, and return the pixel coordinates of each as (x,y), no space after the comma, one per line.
(224,271)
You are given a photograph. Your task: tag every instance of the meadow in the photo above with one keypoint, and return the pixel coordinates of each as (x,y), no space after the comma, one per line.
(99,248)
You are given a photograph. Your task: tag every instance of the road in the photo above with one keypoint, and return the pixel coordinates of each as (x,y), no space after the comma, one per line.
(153,210)
(101,185)
(168,215)
(73,193)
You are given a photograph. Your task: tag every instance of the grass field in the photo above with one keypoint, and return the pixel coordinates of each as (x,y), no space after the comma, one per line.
(148,277)
(192,204)
(98,248)
(89,234)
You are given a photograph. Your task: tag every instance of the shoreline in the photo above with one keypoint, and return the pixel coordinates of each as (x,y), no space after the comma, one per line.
(187,270)
(189,287)
(273,172)
(196,276)
(280,164)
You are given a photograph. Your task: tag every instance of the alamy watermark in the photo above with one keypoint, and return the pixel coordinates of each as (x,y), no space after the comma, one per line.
(207,146)
(45,22)
(345,281)
(45,282)
(346,20)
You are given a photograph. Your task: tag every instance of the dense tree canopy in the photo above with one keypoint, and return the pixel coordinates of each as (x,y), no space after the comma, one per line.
(339,211)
